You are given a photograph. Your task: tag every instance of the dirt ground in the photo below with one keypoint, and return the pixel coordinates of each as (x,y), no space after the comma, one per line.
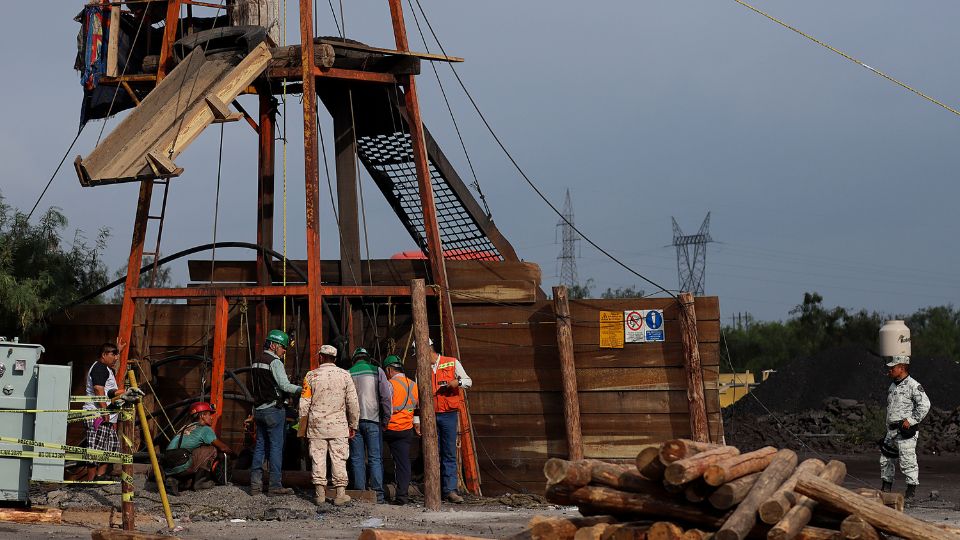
(228,512)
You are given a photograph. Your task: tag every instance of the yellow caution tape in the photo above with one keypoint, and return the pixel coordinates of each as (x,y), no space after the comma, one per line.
(109,457)
(127,497)
(69,456)
(124,477)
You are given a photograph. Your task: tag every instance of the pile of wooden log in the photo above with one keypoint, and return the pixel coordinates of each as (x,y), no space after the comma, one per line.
(689,490)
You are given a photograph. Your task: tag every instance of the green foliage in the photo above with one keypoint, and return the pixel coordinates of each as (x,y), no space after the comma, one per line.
(162,280)
(935,331)
(581,290)
(813,328)
(38,272)
(622,292)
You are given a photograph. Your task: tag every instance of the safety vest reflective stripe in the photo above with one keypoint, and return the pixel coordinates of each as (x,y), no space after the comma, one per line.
(407,404)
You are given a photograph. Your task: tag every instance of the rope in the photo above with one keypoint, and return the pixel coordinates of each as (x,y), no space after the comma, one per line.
(283,101)
(848,57)
(54,175)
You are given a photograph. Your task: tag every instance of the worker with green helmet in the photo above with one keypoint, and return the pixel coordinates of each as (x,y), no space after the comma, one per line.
(270,388)
(375,395)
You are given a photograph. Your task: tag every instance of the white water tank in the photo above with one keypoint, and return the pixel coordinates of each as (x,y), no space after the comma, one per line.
(894,339)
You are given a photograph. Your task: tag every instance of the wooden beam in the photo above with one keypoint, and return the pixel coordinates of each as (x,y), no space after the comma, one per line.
(366,48)
(882,517)
(568,374)
(113,41)
(695,400)
(266,186)
(219,358)
(311,177)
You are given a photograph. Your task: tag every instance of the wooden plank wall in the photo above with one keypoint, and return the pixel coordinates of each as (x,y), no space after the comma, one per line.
(629,398)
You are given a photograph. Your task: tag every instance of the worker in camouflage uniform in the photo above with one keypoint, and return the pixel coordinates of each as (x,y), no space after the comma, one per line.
(329,401)
(907,405)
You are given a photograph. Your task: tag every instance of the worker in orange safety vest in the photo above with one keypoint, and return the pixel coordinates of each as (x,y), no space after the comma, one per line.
(448,379)
(399,432)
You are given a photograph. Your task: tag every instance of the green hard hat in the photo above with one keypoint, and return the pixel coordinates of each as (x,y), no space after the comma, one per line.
(279,337)
(393,361)
(360,354)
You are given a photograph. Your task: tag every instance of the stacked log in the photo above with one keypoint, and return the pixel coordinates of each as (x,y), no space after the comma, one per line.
(686,490)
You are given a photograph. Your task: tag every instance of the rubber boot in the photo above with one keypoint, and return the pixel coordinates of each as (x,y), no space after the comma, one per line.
(321,496)
(911,492)
(342,498)
(886,486)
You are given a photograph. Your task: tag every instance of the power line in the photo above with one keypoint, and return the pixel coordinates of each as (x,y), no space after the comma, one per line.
(523,174)
(850,58)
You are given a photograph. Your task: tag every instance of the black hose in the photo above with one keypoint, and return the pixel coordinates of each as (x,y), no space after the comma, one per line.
(204,247)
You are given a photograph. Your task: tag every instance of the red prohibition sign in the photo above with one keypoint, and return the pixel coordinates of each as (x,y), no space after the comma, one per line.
(634,320)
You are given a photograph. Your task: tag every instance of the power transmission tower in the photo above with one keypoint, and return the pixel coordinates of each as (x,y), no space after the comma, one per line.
(567,259)
(692,256)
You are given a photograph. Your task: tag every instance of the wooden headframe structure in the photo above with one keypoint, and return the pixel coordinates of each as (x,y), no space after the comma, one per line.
(388,137)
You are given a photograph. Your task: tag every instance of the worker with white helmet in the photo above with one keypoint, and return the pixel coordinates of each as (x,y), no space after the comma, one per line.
(907,405)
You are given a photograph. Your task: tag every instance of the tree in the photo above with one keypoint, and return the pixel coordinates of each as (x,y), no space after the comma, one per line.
(38,272)
(622,292)
(581,290)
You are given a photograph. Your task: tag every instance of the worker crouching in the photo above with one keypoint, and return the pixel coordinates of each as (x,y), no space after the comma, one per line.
(329,406)
(195,456)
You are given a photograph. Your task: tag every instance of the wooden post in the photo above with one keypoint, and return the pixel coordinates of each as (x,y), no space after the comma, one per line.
(348,218)
(696,404)
(170,28)
(568,374)
(311,177)
(428,418)
(801,512)
(219,358)
(113,42)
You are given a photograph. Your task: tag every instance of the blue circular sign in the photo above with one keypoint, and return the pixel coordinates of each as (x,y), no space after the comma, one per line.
(654,320)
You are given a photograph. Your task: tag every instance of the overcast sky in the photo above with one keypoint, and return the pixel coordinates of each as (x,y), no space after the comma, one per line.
(820,175)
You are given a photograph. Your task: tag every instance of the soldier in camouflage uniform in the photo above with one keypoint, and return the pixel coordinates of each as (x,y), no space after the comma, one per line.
(907,405)
(329,401)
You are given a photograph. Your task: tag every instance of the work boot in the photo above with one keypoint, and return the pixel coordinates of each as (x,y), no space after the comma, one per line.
(342,498)
(321,496)
(202,481)
(454,497)
(886,486)
(275,491)
(255,490)
(172,485)
(911,492)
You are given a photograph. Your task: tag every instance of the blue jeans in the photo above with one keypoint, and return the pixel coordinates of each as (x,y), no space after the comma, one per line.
(366,443)
(447,423)
(270,430)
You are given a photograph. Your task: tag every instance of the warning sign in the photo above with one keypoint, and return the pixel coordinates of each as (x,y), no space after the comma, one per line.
(643,325)
(633,326)
(611,329)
